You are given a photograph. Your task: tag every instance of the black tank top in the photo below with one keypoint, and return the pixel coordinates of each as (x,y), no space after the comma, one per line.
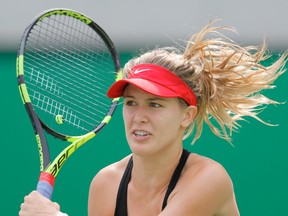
(121,202)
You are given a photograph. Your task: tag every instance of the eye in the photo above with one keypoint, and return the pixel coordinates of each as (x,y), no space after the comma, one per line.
(155,105)
(130,103)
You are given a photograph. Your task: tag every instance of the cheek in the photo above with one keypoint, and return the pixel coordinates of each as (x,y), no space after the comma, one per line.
(170,123)
(126,117)
(126,124)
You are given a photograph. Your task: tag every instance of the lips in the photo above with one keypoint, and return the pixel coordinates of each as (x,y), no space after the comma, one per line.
(141,133)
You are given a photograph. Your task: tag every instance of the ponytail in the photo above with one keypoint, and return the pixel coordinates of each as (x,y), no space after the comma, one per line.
(226,78)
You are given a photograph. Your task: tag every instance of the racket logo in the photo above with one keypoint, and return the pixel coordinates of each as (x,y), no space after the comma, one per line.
(38,140)
(57,164)
(68,13)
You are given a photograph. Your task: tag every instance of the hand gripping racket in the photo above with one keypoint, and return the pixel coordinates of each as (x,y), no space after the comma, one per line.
(65,65)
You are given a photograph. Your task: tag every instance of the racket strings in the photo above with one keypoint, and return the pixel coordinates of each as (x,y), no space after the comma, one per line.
(69,53)
(55,108)
(68,69)
(50,83)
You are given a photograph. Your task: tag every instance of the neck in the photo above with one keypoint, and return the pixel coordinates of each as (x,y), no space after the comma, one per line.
(154,172)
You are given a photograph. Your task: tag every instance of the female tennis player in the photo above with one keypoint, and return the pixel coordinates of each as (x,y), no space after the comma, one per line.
(169,93)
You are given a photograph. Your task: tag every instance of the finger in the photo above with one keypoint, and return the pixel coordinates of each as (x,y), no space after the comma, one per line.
(56,205)
(22,208)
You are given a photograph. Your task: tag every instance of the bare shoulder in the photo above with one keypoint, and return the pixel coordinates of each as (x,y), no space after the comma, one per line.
(111,173)
(206,169)
(214,182)
(204,182)
(209,176)
(104,188)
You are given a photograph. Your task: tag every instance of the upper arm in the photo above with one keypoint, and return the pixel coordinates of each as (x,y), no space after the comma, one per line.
(208,192)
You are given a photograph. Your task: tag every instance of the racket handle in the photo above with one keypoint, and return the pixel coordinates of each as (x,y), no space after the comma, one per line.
(45,184)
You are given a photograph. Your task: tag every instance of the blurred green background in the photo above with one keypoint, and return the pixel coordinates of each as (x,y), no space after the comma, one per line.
(257,163)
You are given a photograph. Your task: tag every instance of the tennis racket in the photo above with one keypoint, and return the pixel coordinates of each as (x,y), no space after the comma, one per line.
(65,65)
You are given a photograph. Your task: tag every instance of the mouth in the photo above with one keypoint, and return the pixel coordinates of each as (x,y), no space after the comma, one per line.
(140,133)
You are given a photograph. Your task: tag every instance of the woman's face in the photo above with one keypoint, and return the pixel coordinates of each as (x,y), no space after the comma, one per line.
(153,124)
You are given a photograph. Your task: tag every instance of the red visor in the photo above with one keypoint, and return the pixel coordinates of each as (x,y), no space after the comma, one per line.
(155,80)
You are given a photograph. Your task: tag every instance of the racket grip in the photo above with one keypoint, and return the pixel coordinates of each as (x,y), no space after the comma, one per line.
(45,184)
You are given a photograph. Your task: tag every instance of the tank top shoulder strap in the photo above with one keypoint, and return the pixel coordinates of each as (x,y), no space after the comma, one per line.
(176,175)
(121,202)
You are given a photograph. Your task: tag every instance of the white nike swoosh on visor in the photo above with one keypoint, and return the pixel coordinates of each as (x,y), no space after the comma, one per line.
(140,71)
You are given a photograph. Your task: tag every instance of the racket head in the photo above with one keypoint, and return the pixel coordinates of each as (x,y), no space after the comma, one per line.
(65,65)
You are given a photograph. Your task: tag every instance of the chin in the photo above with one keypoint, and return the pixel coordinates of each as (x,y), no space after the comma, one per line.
(140,149)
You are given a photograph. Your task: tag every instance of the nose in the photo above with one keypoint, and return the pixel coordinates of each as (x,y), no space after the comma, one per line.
(140,116)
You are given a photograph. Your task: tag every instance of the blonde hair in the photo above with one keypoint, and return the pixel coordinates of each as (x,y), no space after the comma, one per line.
(226,78)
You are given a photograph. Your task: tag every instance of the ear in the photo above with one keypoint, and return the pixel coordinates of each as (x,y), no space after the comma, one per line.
(189,114)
